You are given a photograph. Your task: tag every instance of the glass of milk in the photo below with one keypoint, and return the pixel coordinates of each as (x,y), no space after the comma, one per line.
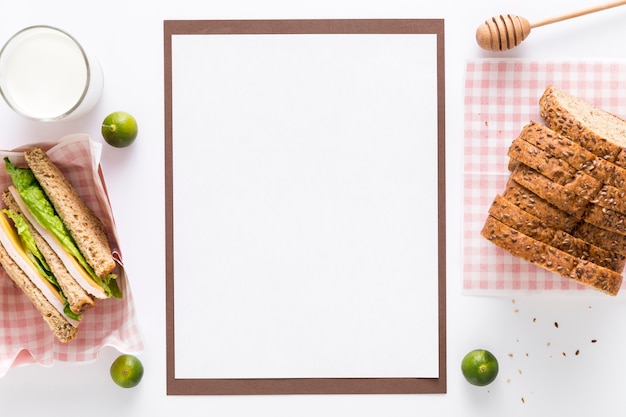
(46,75)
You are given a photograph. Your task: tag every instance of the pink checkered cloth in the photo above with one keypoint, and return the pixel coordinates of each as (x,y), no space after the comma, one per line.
(24,336)
(501,96)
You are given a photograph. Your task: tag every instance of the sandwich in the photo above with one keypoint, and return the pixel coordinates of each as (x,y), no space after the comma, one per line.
(53,246)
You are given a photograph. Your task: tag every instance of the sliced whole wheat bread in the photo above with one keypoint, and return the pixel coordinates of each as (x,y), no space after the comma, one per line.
(574,154)
(539,207)
(595,129)
(564,205)
(551,258)
(554,168)
(606,219)
(556,194)
(516,218)
(606,239)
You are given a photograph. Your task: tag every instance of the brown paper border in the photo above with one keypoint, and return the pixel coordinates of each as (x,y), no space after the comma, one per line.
(178,386)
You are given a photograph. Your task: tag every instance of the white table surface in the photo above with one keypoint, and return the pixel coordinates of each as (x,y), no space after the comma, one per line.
(540,370)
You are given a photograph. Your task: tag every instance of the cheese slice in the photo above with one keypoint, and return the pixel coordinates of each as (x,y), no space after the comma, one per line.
(12,244)
(71,264)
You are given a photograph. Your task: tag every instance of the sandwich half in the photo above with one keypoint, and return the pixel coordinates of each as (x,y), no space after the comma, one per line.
(25,266)
(52,245)
(54,208)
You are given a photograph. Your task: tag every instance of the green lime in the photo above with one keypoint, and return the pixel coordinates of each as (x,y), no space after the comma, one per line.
(119,129)
(126,371)
(479,367)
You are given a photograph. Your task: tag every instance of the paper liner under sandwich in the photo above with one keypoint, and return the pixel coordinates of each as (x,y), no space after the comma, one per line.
(501,96)
(24,336)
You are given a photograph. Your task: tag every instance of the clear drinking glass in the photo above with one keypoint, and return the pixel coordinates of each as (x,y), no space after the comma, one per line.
(46,75)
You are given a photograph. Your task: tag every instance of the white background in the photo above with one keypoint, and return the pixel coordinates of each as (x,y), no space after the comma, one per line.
(127,37)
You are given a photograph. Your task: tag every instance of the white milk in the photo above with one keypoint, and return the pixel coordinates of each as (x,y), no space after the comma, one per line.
(46,75)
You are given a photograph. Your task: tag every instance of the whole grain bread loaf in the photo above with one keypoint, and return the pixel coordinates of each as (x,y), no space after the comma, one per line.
(564,204)
(595,129)
(551,258)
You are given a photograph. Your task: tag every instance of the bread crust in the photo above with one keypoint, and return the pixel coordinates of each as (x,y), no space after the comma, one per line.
(539,207)
(564,198)
(86,229)
(61,328)
(595,177)
(605,239)
(574,154)
(573,117)
(516,218)
(554,168)
(551,258)
(564,205)
(606,219)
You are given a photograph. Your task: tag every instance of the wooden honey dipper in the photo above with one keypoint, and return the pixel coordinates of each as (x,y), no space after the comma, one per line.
(505,32)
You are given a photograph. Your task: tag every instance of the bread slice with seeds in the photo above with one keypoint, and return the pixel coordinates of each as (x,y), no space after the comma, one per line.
(551,258)
(533,204)
(554,168)
(606,219)
(595,129)
(574,154)
(606,239)
(566,199)
(516,218)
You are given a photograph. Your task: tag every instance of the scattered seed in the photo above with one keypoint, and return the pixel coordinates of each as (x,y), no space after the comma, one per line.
(593,340)
(556,324)
(577,352)
(534,319)
(523,400)
(564,354)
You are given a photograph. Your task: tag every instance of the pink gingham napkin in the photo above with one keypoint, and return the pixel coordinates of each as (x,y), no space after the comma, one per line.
(501,96)
(24,336)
